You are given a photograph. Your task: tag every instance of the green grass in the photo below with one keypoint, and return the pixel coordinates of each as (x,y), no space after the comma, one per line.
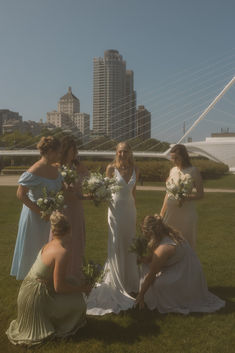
(135,331)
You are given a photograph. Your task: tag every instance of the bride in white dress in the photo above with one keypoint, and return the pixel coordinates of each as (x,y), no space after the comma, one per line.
(121,270)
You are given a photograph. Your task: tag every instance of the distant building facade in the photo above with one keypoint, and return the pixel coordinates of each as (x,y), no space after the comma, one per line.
(143,123)
(68,116)
(114,98)
(10,119)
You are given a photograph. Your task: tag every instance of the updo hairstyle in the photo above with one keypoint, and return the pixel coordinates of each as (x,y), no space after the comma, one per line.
(48,143)
(59,224)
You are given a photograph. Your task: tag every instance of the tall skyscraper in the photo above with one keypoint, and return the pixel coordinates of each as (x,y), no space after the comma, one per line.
(114,98)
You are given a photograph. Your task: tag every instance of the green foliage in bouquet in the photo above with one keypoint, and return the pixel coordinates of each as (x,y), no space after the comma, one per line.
(139,246)
(93,273)
(69,175)
(50,201)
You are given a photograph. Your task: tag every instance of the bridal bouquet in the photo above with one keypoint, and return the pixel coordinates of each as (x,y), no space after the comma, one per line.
(92,273)
(180,189)
(69,175)
(50,201)
(139,246)
(100,188)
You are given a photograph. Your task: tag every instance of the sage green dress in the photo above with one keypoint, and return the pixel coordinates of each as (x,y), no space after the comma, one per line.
(43,313)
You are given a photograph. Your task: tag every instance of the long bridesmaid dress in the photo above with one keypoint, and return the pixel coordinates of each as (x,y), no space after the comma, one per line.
(33,232)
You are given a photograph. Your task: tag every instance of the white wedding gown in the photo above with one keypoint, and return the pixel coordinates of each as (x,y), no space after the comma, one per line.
(121,270)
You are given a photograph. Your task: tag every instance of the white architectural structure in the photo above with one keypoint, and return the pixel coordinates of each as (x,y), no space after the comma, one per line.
(219,149)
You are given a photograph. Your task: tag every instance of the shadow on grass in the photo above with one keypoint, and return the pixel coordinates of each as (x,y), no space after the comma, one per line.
(227,294)
(128,327)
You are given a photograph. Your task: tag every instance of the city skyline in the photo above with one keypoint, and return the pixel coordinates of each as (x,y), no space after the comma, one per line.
(181,52)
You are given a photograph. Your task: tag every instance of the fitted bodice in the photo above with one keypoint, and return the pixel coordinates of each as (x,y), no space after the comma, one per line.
(36,184)
(125,192)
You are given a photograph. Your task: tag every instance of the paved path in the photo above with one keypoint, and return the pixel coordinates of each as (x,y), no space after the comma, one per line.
(11,180)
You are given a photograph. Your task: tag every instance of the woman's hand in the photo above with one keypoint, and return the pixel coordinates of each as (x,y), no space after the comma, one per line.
(140,301)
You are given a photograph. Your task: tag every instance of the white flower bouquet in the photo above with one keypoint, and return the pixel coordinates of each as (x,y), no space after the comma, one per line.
(181,188)
(50,201)
(100,188)
(93,273)
(69,175)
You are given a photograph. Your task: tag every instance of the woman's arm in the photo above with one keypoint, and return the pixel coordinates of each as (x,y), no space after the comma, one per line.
(109,171)
(164,206)
(198,186)
(137,173)
(23,197)
(160,257)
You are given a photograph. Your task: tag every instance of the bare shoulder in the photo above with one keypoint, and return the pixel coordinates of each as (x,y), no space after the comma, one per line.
(61,253)
(165,250)
(36,167)
(110,170)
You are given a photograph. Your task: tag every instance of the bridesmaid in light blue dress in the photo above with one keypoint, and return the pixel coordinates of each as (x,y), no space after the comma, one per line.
(33,231)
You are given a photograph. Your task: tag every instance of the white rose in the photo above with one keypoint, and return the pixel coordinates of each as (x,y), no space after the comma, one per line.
(40,202)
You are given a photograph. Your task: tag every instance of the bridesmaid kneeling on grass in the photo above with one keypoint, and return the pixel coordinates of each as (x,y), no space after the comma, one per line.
(173,280)
(48,305)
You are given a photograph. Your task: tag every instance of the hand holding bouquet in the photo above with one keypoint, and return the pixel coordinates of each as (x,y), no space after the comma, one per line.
(92,273)
(100,188)
(69,175)
(139,246)
(51,201)
(181,188)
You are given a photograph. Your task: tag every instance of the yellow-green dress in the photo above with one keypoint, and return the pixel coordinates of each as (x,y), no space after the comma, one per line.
(43,313)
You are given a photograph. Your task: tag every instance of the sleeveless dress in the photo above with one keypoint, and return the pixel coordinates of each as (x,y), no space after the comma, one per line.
(33,232)
(75,214)
(182,218)
(181,286)
(121,270)
(43,313)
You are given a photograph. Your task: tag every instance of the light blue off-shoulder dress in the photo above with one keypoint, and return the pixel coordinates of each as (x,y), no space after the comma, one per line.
(33,232)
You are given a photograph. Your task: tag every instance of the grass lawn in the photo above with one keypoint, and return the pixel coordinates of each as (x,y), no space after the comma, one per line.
(139,331)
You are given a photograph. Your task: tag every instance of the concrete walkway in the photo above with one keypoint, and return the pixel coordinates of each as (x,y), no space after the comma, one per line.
(11,180)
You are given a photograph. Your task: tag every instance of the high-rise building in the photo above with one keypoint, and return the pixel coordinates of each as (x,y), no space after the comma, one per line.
(113,97)
(143,123)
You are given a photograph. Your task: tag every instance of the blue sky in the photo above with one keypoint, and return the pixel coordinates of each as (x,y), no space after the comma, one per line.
(182,53)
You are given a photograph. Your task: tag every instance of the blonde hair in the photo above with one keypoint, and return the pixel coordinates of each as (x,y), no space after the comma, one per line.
(48,143)
(116,161)
(59,223)
(159,229)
